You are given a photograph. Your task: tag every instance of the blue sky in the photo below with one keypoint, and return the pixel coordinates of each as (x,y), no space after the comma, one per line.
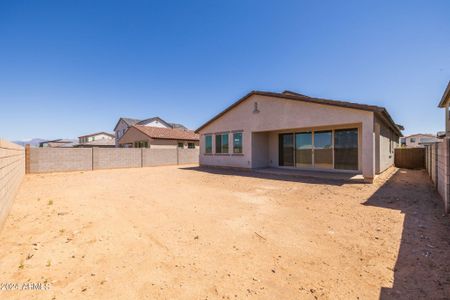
(69,68)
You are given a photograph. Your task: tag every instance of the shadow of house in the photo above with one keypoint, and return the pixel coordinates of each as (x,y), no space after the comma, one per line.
(313,177)
(422,269)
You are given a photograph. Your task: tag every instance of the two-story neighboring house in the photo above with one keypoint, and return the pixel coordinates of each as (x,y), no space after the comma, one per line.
(124,123)
(417,140)
(98,139)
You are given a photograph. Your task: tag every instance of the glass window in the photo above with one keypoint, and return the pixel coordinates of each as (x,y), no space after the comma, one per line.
(286,149)
(218,143)
(222,143)
(346,149)
(191,146)
(237,142)
(303,149)
(208,144)
(323,152)
(180,145)
(412,140)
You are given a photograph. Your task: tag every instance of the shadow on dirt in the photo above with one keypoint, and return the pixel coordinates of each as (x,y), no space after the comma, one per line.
(340,179)
(422,270)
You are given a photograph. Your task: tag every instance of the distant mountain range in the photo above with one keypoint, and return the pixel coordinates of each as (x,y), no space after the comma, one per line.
(32,142)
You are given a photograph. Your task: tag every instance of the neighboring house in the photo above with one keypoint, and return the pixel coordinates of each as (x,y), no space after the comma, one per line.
(417,140)
(124,123)
(59,143)
(265,129)
(445,103)
(95,137)
(104,143)
(140,136)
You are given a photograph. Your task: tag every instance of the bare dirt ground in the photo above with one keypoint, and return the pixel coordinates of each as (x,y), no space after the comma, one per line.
(188,233)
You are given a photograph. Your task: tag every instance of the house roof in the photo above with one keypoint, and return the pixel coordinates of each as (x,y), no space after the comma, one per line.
(288,95)
(130,122)
(420,134)
(97,133)
(149,120)
(167,133)
(445,97)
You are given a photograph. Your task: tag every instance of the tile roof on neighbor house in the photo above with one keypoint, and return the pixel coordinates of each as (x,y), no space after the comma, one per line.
(167,133)
(97,133)
(288,95)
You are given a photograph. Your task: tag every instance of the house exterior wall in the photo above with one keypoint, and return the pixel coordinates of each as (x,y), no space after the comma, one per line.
(96,137)
(120,131)
(387,141)
(260,150)
(275,114)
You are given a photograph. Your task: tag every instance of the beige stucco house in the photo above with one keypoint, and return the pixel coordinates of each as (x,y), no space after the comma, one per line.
(141,136)
(123,124)
(290,130)
(418,140)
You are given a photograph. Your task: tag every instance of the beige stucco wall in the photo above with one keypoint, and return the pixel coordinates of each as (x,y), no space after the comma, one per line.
(279,114)
(12,171)
(387,140)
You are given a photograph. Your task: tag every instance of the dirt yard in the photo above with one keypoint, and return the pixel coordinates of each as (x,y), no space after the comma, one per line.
(188,233)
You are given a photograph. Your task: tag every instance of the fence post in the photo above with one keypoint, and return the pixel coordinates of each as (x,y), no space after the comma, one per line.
(27,159)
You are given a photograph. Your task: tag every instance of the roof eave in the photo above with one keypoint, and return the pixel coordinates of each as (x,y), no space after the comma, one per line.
(446,97)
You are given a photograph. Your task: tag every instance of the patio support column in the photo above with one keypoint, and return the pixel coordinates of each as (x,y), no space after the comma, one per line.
(368,149)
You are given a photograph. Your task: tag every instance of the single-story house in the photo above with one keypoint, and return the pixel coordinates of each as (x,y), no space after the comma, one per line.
(124,123)
(291,130)
(58,143)
(141,136)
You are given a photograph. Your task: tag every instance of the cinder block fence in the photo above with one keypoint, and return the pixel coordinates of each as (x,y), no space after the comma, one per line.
(44,160)
(437,163)
(12,171)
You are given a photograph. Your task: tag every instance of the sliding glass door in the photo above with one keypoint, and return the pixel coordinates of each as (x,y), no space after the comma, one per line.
(326,149)
(323,149)
(303,150)
(286,149)
(346,149)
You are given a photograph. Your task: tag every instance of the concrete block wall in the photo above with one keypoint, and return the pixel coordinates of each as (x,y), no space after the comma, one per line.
(44,160)
(188,156)
(159,157)
(12,171)
(114,158)
(438,168)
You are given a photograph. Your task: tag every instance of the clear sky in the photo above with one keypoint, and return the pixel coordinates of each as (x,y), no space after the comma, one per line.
(69,68)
